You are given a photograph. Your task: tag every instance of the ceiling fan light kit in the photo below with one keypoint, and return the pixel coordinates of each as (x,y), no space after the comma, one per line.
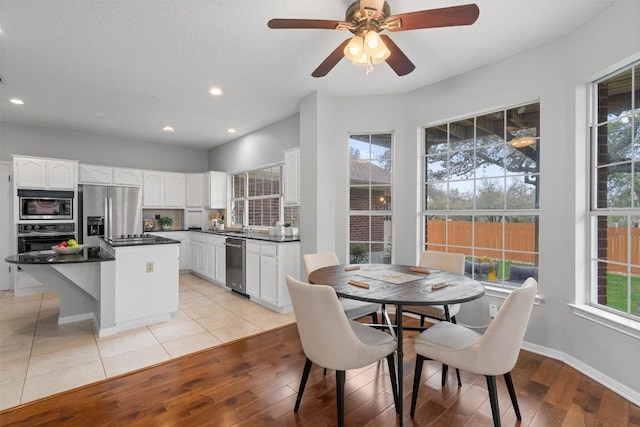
(367,52)
(366,19)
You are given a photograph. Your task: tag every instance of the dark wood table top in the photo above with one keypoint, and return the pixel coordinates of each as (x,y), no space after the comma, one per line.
(416,292)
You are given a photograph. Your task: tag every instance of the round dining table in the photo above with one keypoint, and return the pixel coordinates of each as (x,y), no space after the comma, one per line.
(398,285)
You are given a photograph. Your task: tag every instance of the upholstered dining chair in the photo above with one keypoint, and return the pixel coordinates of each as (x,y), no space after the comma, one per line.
(453,263)
(353,309)
(331,340)
(493,353)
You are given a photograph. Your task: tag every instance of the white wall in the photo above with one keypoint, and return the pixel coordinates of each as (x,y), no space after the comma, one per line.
(97,149)
(557,75)
(257,149)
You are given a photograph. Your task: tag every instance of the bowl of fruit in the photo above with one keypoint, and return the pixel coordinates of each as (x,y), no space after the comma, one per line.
(67,247)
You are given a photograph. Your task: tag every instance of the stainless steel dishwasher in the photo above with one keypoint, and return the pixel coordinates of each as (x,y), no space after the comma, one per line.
(235,275)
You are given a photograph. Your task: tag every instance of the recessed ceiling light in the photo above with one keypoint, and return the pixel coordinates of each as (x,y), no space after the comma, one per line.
(16,101)
(168,129)
(231,130)
(215,91)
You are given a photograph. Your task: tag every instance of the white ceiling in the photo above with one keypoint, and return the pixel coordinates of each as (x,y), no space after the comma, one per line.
(128,68)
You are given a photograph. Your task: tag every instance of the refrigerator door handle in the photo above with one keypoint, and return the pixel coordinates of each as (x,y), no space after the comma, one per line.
(108,210)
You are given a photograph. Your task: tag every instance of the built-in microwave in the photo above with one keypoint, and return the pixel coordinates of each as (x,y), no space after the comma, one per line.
(45,205)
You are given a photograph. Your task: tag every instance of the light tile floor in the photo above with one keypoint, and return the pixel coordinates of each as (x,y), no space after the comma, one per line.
(39,358)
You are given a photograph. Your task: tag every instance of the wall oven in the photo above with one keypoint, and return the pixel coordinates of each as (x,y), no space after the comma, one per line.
(40,237)
(45,205)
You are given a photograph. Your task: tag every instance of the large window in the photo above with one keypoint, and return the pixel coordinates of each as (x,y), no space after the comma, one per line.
(258,200)
(481,192)
(370,172)
(615,206)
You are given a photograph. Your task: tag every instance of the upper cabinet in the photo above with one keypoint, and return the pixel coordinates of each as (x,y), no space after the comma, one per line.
(174,190)
(215,190)
(163,189)
(131,177)
(292,177)
(195,190)
(45,174)
(153,189)
(94,174)
(106,175)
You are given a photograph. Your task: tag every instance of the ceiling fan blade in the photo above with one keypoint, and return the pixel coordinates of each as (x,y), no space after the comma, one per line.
(372,5)
(331,60)
(398,61)
(304,23)
(444,17)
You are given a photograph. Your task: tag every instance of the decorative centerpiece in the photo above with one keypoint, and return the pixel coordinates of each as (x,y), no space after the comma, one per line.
(166,222)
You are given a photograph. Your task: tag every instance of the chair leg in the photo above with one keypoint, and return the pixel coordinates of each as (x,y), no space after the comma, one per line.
(493,398)
(445,369)
(340,397)
(394,383)
(416,383)
(374,317)
(324,372)
(512,394)
(303,383)
(422,320)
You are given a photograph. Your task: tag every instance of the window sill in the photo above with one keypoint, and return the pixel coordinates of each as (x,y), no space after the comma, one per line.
(500,292)
(610,320)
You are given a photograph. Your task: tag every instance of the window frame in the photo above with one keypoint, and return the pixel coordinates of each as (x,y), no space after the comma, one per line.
(370,213)
(247,198)
(625,322)
(498,288)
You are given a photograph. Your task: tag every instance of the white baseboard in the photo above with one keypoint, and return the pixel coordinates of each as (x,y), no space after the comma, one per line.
(76,318)
(628,393)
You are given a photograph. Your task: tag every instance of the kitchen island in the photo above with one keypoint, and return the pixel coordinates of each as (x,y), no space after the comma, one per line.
(118,287)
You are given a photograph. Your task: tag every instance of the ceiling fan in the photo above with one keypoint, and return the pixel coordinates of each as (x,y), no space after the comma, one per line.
(366,19)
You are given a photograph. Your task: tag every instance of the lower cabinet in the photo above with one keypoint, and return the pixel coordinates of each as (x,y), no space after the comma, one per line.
(267,265)
(185,250)
(207,256)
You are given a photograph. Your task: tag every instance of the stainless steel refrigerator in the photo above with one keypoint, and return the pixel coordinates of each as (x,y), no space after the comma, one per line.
(109,212)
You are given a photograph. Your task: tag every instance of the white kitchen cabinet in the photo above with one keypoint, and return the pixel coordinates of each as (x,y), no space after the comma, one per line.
(267,265)
(45,174)
(94,174)
(269,279)
(123,176)
(221,260)
(292,177)
(163,189)
(194,191)
(183,254)
(107,175)
(252,269)
(216,190)
(153,189)
(217,256)
(196,252)
(174,190)
(207,256)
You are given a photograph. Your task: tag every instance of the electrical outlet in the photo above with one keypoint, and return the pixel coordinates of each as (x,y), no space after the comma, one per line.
(150,267)
(493,310)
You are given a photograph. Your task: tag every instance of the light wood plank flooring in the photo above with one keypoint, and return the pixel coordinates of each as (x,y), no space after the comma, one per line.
(253,382)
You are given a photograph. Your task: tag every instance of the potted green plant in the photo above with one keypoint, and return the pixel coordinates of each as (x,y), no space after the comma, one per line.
(166,222)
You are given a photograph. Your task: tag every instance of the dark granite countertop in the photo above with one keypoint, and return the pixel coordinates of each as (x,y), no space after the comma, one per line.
(143,241)
(88,254)
(254,236)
